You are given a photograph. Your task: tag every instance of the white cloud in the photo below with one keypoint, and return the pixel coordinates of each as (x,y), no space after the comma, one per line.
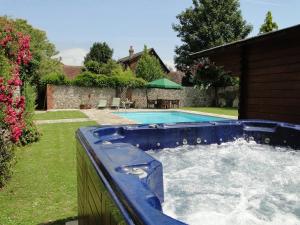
(170,64)
(72,56)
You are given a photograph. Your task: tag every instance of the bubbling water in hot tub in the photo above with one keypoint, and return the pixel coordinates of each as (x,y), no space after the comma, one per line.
(235,183)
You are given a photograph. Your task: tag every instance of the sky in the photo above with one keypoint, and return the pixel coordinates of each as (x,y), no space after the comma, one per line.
(74,25)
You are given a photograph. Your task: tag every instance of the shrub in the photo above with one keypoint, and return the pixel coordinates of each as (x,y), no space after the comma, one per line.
(6,157)
(85,79)
(119,78)
(16,49)
(55,78)
(30,132)
(92,66)
(206,74)
(101,68)
(149,67)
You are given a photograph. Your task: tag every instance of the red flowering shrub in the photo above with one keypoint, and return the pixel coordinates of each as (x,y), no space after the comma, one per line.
(16,48)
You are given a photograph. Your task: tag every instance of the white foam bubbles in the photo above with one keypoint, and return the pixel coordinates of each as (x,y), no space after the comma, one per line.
(233,183)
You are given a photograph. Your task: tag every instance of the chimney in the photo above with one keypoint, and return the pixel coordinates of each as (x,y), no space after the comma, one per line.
(131,51)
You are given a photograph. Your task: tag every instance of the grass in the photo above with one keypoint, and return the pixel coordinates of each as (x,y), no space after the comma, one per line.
(55,115)
(43,187)
(215,110)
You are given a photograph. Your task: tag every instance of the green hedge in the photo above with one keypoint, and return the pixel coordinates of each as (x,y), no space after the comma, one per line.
(55,78)
(6,158)
(88,79)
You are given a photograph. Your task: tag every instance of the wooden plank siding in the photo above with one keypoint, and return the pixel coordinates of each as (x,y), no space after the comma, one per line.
(269,70)
(229,60)
(95,205)
(273,81)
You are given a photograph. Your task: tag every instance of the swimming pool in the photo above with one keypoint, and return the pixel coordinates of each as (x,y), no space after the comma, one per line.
(166,117)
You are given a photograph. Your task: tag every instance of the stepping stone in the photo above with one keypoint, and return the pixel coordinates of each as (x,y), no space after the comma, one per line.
(74,222)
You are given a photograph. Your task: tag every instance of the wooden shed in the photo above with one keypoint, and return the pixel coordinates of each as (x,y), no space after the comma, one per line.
(269,69)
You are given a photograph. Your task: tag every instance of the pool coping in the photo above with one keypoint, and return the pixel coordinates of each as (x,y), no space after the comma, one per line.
(107,116)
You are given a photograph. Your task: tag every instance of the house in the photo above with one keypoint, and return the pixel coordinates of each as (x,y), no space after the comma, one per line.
(132,59)
(269,69)
(71,71)
(128,62)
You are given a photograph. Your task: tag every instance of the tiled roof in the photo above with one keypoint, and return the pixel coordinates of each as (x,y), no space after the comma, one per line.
(71,71)
(128,59)
(135,55)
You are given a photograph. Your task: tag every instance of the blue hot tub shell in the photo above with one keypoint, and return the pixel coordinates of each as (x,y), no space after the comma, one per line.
(133,180)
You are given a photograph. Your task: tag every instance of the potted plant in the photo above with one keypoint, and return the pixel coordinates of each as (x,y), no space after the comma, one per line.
(86,105)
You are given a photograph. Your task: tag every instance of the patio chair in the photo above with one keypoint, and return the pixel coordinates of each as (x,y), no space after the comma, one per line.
(175,103)
(127,104)
(102,104)
(115,103)
(151,103)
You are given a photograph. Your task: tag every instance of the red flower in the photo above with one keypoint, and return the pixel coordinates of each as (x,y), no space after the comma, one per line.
(16,133)
(17,48)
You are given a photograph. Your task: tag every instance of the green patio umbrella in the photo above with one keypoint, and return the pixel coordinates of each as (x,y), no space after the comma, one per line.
(164,83)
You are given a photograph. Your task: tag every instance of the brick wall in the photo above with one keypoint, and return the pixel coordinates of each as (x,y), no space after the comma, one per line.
(70,97)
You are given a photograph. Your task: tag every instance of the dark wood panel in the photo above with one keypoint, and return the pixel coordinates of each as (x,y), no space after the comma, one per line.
(276,60)
(273,116)
(275,101)
(275,77)
(287,68)
(284,110)
(95,205)
(230,62)
(274,94)
(270,74)
(275,46)
(284,86)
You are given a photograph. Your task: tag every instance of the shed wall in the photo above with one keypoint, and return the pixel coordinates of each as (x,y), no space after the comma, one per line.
(273,80)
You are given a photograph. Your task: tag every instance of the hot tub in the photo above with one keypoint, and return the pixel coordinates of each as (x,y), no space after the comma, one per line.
(119,183)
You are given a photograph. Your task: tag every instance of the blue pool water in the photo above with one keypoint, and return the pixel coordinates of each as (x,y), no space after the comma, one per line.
(166,117)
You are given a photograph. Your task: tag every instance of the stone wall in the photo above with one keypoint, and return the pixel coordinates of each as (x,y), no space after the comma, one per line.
(70,97)
(187,96)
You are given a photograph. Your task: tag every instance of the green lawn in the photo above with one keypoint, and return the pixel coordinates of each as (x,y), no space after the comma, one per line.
(43,187)
(59,115)
(215,110)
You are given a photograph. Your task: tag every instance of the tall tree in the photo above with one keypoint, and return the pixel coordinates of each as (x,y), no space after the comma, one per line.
(206,24)
(41,48)
(148,67)
(99,52)
(268,25)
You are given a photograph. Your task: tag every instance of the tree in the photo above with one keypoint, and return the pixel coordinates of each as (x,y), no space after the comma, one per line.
(148,67)
(101,68)
(208,23)
(268,25)
(99,52)
(207,75)
(42,62)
